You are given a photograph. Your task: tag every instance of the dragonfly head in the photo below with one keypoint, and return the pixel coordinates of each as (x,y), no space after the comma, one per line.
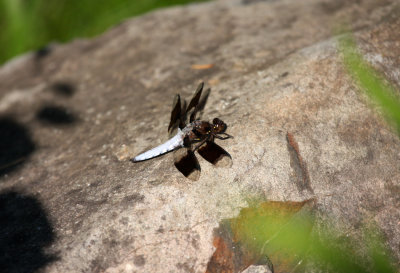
(218,126)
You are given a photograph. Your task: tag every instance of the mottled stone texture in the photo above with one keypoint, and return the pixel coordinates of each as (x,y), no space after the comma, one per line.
(75,113)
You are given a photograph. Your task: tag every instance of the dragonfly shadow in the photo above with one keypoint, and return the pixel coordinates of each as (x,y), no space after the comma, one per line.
(25,231)
(42,52)
(62,88)
(55,115)
(38,60)
(16,145)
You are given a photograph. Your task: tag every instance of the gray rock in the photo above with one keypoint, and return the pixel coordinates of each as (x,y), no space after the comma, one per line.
(89,105)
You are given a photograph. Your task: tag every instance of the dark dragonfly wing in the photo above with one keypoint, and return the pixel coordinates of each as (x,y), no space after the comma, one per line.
(180,111)
(186,162)
(184,159)
(214,154)
(192,107)
(202,102)
(176,115)
(196,97)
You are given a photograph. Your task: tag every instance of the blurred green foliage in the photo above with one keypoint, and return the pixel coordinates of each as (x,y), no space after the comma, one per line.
(31,24)
(289,237)
(370,81)
(282,233)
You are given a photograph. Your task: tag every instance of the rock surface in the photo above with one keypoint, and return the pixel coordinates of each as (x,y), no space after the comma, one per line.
(72,115)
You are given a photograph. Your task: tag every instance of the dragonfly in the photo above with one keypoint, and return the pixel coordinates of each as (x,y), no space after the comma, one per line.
(187,138)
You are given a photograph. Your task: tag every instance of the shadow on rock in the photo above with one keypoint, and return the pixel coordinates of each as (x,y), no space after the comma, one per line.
(42,52)
(55,115)
(64,89)
(15,145)
(38,59)
(24,233)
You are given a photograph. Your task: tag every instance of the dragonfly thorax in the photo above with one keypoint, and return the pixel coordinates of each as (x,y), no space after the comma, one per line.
(198,130)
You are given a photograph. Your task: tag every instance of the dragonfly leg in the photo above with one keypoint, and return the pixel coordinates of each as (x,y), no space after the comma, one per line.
(226,136)
(201,143)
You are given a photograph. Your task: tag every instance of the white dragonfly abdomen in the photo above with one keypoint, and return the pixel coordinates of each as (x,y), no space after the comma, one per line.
(170,145)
